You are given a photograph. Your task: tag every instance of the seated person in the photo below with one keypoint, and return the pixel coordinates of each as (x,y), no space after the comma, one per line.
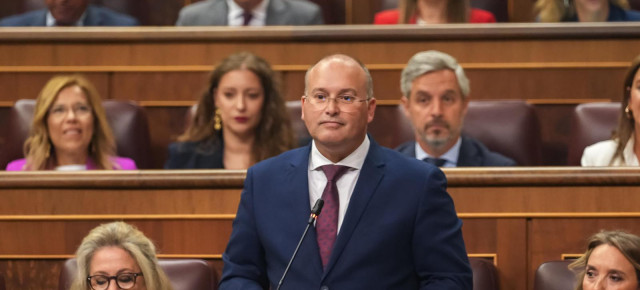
(435,97)
(612,261)
(70,13)
(69,130)
(426,12)
(585,11)
(241,119)
(118,253)
(250,13)
(621,149)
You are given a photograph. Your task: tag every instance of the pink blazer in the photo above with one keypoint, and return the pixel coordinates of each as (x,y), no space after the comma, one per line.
(123,162)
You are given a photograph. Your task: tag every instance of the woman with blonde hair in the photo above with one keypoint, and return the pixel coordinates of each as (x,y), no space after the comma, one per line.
(70,130)
(612,261)
(425,12)
(118,253)
(240,120)
(585,11)
(623,148)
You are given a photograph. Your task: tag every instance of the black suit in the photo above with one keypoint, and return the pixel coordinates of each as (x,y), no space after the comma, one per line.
(472,153)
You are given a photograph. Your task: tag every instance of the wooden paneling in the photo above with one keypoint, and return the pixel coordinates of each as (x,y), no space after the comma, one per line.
(519,216)
(159,86)
(27,85)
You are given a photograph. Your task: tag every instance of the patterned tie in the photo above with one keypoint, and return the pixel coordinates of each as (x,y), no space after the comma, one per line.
(246,17)
(435,161)
(327,223)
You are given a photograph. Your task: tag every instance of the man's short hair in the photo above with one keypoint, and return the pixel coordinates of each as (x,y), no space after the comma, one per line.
(344,57)
(430,61)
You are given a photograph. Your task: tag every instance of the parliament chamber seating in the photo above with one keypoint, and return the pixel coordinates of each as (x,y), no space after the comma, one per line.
(507,127)
(128,122)
(184,274)
(485,275)
(591,123)
(510,128)
(554,275)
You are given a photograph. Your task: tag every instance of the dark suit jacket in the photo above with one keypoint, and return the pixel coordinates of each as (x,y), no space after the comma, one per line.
(95,16)
(400,230)
(279,12)
(472,153)
(195,155)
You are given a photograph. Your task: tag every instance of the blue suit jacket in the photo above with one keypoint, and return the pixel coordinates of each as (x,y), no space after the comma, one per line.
(472,153)
(616,14)
(96,16)
(400,230)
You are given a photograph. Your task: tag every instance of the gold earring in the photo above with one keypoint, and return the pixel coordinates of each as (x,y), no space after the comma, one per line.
(217,121)
(628,112)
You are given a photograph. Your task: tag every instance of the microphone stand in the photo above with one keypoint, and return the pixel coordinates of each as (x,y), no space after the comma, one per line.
(315,212)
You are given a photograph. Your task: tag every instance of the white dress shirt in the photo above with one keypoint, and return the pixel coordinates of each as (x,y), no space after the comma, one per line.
(346,183)
(451,156)
(259,14)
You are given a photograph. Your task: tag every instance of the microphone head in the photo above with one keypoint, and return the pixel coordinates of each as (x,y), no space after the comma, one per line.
(317,208)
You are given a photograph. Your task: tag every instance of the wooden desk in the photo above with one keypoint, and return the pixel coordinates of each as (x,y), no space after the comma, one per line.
(519,217)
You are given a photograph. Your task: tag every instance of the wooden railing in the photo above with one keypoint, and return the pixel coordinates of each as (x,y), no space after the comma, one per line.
(517,217)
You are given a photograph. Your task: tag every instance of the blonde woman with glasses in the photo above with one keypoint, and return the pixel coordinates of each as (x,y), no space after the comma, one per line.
(118,256)
(70,130)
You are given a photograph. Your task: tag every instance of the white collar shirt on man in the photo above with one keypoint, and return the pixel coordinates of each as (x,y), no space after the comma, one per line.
(450,156)
(346,184)
(235,16)
(50,21)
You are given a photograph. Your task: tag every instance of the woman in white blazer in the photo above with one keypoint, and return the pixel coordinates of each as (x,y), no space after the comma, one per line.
(623,149)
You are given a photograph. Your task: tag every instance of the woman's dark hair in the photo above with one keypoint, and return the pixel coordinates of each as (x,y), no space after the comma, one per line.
(273,134)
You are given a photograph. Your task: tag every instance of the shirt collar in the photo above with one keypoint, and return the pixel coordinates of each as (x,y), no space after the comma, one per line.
(353,160)
(260,12)
(50,21)
(450,156)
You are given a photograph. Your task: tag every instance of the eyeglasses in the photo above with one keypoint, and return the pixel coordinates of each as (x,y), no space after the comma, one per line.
(78,110)
(320,101)
(123,280)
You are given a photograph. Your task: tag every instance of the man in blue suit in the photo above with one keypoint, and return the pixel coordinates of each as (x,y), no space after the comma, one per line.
(387,223)
(435,98)
(70,13)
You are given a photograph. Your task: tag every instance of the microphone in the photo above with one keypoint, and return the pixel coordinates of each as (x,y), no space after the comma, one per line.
(315,212)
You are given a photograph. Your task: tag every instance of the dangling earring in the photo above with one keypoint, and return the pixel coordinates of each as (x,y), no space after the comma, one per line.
(217,121)
(628,112)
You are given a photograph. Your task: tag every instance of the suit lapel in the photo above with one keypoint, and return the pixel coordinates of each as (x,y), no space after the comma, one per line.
(91,17)
(275,12)
(219,12)
(468,154)
(370,176)
(296,182)
(41,18)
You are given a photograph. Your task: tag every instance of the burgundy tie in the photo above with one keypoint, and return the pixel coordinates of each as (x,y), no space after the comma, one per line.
(327,223)
(246,16)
